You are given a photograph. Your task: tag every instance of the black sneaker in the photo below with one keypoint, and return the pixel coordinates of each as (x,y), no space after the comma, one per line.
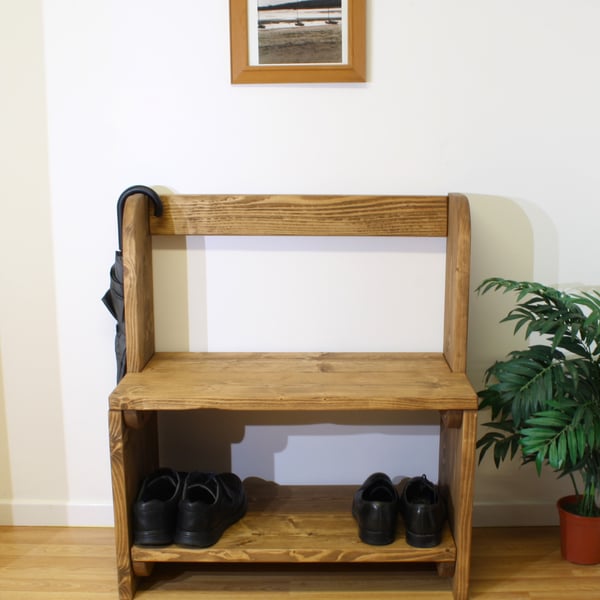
(155,509)
(423,511)
(209,505)
(375,508)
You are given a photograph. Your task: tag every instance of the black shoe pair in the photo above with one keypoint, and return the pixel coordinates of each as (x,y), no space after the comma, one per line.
(376,505)
(191,510)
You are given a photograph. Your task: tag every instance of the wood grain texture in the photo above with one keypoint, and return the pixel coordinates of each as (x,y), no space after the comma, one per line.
(458,265)
(121,505)
(295,381)
(73,563)
(138,285)
(134,454)
(302,215)
(456,474)
(299,524)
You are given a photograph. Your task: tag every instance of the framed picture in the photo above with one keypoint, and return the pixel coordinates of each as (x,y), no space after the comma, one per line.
(297,41)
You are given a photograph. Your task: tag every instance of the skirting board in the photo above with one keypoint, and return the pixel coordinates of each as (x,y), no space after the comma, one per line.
(514,515)
(101,515)
(61,515)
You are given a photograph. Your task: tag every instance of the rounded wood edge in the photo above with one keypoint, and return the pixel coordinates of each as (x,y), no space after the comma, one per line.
(452,419)
(142,569)
(446,569)
(135,419)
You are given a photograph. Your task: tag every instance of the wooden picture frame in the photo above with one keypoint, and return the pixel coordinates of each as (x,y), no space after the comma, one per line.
(351,69)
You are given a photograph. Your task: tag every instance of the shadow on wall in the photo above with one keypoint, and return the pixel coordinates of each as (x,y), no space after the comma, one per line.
(170,268)
(334,447)
(502,245)
(5,475)
(506,237)
(169,265)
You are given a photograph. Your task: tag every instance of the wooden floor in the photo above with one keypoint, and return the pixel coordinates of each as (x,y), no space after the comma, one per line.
(46,563)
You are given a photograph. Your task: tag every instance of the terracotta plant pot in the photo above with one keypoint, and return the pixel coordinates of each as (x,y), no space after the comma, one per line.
(579,536)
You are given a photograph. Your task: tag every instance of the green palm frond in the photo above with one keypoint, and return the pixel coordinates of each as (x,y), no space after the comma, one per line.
(545,400)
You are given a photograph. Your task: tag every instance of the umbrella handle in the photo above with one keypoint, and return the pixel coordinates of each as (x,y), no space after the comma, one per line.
(136,189)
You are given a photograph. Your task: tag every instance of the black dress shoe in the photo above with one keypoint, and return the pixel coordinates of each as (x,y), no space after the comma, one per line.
(375,508)
(155,509)
(209,505)
(423,511)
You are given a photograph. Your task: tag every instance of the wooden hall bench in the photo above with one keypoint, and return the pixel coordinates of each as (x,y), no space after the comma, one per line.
(314,381)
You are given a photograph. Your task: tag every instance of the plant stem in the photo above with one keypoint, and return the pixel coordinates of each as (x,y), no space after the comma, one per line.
(574,484)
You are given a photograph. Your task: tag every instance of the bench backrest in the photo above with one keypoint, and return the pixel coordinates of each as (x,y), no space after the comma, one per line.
(254,215)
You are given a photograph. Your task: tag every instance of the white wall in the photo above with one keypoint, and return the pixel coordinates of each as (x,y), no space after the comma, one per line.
(33,468)
(496,99)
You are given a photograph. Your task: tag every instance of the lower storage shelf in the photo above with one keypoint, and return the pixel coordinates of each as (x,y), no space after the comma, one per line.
(299,524)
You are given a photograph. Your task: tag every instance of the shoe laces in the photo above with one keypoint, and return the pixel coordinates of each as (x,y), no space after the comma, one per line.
(203,488)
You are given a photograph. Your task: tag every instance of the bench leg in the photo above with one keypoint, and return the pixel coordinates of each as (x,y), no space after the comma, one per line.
(457,469)
(134,454)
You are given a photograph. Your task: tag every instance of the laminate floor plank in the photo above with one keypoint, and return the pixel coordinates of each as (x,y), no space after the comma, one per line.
(60,563)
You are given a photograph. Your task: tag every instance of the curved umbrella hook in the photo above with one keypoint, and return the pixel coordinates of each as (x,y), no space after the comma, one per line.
(136,189)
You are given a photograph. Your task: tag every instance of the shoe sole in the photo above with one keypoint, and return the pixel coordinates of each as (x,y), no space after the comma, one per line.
(204,539)
(153,538)
(423,540)
(376,538)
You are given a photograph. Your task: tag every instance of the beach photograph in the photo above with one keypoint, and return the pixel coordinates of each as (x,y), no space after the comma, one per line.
(300,32)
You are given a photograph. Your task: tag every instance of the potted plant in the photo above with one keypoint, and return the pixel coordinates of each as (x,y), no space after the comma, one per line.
(545,401)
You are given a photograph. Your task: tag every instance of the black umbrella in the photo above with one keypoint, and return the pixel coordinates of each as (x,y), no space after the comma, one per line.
(114,297)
